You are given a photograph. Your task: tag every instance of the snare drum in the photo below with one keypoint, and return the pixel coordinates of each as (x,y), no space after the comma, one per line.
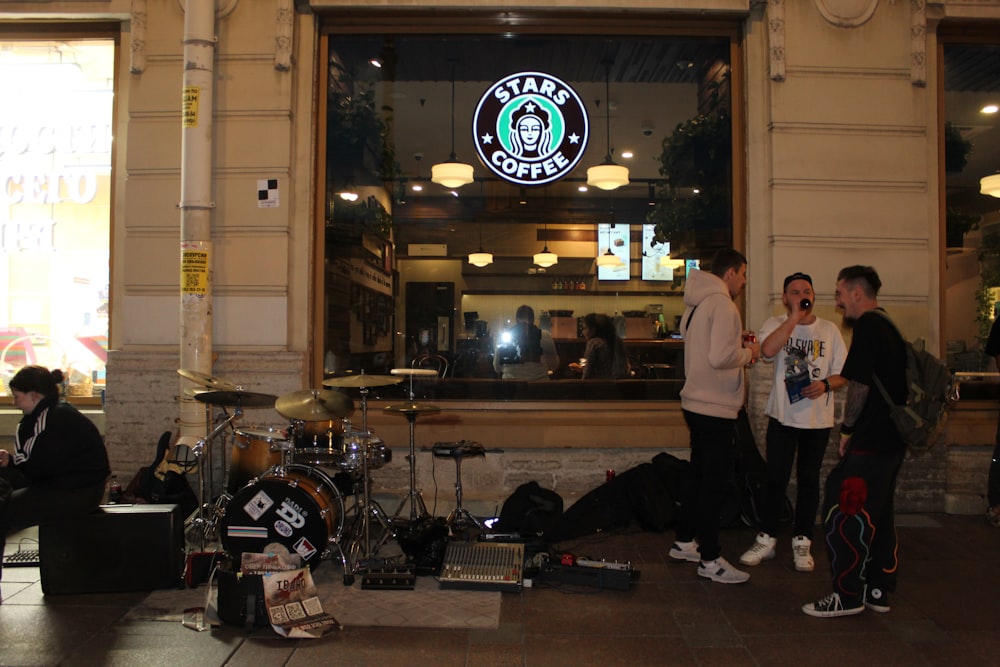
(318,443)
(364,443)
(255,450)
(296,506)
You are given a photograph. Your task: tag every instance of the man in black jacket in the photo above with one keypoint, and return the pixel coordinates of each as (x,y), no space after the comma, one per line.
(858,508)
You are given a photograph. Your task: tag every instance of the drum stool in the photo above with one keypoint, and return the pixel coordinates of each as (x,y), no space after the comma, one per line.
(460,518)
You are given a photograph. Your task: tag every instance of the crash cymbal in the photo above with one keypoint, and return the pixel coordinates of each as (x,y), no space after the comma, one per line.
(237,397)
(205,380)
(414,371)
(314,405)
(411,408)
(361,380)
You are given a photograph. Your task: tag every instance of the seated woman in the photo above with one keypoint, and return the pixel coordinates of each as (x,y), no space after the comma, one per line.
(604,356)
(59,465)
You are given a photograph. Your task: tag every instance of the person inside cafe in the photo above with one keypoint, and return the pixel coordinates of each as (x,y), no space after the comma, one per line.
(524,351)
(604,356)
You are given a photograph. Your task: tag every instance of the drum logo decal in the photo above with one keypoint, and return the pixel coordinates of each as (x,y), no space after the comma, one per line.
(305,549)
(282,528)
(530,128)
(291,513)
(260,503)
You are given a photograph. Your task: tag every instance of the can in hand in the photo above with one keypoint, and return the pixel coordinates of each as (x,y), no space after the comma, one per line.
(114,491)
(609,475)
(749,337)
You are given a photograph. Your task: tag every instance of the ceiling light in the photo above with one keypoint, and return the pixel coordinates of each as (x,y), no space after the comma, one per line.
(348,196)
(989,108)
(480,258)
(607,175)
(452,174)
(627,155)
(545,259)
(990,185)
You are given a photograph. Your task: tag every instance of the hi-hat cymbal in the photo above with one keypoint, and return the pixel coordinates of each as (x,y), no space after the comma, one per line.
(314,405)
(361,380)
(414,371)
(237,397)
(205,380)
(411,408)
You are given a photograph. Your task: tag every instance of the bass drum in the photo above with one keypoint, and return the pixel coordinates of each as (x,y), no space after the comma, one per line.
(298,507)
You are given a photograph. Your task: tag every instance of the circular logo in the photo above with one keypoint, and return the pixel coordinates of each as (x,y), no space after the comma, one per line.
(282,528)
(530,128)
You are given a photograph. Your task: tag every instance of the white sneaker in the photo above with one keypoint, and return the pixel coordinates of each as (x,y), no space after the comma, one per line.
(762,549)
(719,570)
(685,551)
(800,552)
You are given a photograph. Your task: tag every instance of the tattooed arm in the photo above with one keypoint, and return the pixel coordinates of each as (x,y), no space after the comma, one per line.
(857,396)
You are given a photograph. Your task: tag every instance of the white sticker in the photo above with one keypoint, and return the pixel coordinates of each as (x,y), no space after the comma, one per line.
(282,528)
(259,504)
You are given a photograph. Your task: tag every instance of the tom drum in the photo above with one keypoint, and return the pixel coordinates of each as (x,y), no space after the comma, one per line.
(364,443)
(318,443)
(255,450)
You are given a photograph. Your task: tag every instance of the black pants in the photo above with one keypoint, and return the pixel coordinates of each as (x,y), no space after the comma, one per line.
(859,523)
(35,505)
(804,447)
(713,463)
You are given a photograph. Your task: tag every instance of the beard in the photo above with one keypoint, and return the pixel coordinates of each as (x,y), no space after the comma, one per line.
(849,321)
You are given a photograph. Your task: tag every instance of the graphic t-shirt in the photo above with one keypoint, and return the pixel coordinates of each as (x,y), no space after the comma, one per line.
(813,352)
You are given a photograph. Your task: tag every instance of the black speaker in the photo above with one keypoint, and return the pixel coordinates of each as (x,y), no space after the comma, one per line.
(117,548)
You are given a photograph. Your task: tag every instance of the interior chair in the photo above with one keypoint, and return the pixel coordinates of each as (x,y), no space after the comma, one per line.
(435,361)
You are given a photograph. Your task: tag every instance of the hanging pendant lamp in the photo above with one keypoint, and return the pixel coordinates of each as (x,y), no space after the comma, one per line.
(608,175)
(545,259)
(480,258)
(608,258)
(452,174)
(990,185)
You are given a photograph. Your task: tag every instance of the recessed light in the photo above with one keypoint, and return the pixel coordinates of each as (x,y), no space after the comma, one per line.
(989,108)
(582,188)
(417,187)
(627,154)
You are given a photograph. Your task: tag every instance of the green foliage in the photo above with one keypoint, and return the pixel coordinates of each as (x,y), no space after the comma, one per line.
(956,149)
(957,224)
(696,154)
(369,214)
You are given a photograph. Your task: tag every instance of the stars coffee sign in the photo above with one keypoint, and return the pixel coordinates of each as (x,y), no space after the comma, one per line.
(530,128)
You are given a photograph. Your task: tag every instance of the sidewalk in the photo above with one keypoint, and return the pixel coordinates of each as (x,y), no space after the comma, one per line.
(944,613)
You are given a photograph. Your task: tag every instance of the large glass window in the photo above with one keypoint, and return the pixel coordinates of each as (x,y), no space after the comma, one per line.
(55,204)
(400,289)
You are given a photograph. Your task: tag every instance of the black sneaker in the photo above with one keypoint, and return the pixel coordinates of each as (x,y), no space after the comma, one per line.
(831,606)
(877,599)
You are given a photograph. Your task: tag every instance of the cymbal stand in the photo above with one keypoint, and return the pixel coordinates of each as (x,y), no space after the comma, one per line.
(204,520)
(413,496)
(360,547)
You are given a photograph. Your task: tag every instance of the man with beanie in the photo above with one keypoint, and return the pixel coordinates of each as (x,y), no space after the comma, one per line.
(715,354)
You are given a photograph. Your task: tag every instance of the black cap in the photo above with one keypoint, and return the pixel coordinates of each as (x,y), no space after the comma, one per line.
(798,275)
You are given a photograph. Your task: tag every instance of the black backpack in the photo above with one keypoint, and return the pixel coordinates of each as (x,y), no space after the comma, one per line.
(531,511)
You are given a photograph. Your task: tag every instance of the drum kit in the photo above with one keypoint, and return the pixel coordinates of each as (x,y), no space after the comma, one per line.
(278,486)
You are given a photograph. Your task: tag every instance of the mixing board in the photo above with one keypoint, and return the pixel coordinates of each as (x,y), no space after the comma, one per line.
(483,566)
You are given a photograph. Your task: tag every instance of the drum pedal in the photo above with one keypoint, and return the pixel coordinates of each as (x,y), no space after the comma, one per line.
(389,579)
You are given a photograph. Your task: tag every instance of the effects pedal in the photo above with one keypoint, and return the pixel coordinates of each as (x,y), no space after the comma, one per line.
(389,579)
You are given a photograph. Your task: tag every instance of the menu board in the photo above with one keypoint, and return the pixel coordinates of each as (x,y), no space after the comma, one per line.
(656,262)
(615,237)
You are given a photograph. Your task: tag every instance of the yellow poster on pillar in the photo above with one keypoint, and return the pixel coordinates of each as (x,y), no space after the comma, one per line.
(189,106)
(194,269)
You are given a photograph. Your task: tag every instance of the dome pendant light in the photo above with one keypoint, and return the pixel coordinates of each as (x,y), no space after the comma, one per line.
(545,259)
(608,175)
(608,258)
(452,174)
(990,185)
(480,258)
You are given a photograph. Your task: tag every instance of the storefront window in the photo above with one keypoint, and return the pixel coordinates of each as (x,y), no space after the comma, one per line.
(55,203)
(400,289)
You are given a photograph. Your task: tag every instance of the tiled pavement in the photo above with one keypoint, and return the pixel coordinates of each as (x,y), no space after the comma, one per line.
(944,613)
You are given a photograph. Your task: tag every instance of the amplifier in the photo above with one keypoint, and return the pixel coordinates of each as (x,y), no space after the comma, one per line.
(483,566)
(117,548)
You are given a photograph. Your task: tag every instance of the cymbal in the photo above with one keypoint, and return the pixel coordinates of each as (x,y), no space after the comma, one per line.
(237,397)
(414,371)
(205,380)
(361,380)
(411,408)
(314,405)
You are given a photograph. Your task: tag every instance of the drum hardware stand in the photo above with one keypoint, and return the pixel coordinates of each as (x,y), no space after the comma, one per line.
(460,519)
(365,507)
(415,499)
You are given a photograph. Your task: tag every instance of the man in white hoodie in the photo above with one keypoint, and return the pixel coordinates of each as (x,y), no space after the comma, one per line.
(715,354)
